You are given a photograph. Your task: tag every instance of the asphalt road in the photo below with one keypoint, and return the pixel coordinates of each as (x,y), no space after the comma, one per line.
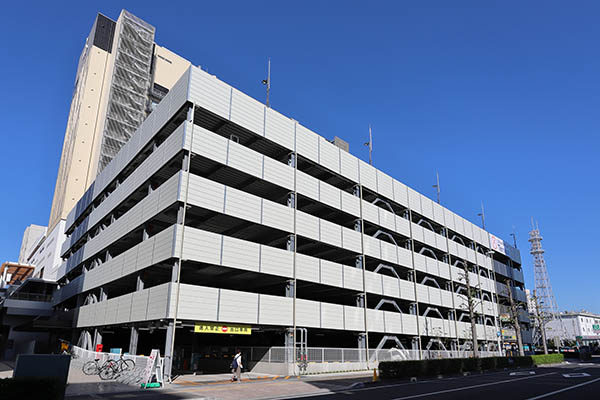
(536,383)
(532,384)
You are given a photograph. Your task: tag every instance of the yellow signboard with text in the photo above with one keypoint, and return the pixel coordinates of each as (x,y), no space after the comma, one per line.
(209,327)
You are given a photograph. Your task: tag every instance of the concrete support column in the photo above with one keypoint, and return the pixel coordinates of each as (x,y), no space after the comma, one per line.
(415,343)
(175,271)
(133,340)
(289,345)
(291,243)
(362,347)
(97,338)
(291,200)
(413,308)
(168,359)
(358,263)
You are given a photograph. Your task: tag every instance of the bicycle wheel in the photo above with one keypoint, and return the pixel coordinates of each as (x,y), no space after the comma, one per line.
(108,370)
(127,365)
(90,368)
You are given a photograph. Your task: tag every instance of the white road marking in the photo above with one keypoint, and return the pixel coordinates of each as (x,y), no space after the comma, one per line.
(522,373)
(576,375)
(563,390)
(470,387)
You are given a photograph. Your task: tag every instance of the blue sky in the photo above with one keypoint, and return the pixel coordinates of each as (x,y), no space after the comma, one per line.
(500,97)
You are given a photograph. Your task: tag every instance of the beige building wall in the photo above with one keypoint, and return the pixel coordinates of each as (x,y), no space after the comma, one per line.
(168,67)
(76,169)
(79,162)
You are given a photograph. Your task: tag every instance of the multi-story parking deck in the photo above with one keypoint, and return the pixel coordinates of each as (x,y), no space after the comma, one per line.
(220,211)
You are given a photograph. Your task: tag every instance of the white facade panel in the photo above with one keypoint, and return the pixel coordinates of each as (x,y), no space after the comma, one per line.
(307,143)
(375,320)
(329,195)
(393,322)
(278,216)
(400,193)
(329,155)
(247,112)
(276,261)
(368,175)
(407,290)
(198,303)
(307,268)
(209,92)
(354,318)
(308,313)
(307,185)
(236,306)
(391,286)
(275,310)
(414,201)
(332,316)
(350,203)
(409,324)
(353,278)
(405,257)
(240,254)
(385,185)
(351,240)
(278,173)
(373,282)
(349,166)
(330,233)
(331,273)
(280,129)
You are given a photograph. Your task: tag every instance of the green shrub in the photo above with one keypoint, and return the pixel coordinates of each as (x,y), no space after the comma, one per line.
(524,361)
(31,388)
(471,364)
(548,359)
(488,363)
(452,366)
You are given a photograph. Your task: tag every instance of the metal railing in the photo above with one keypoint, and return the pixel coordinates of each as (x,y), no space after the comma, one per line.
(352,355)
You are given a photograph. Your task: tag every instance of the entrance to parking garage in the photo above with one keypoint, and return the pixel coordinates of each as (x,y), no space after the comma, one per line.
(208,348)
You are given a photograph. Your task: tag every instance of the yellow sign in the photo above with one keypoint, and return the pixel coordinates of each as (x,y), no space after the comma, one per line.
(208,327)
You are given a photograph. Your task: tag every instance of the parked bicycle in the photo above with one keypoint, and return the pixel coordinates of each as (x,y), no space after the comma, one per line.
(110,369)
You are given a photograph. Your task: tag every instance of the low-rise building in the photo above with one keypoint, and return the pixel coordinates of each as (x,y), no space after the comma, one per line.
(580,326)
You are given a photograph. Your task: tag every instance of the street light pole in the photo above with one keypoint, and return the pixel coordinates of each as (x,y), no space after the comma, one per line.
(437,186)
(482,215)
(267,82)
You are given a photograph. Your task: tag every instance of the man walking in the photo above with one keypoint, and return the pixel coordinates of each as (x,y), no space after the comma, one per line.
(236,366)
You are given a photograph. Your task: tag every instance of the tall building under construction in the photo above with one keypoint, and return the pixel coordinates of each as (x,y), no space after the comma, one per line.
(122,74)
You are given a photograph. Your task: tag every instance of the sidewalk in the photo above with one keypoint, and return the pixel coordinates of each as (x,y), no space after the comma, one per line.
(6,369)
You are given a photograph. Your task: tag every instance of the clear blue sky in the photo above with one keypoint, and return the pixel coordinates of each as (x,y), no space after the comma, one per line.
(501,97)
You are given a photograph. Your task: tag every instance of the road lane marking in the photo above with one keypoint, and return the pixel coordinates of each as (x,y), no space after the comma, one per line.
(563,390)
(470,387)
(576,375)
(522,373)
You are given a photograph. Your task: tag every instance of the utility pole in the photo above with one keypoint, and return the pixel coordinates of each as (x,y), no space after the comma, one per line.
(540,321)
(514,236)
(267,82)
(514,314)
(482,215)
(370,145)
(437,186)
